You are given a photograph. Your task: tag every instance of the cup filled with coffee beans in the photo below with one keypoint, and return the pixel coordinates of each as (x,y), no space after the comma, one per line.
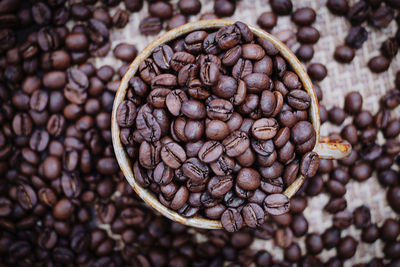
(216,124)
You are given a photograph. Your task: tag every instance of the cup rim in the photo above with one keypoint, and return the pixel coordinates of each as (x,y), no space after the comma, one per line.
(120,153)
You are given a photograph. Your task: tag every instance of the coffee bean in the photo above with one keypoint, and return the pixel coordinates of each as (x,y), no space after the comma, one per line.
(225,87)
(210,151)
(219,185)
(381,17)
(344,54)
(347,247)
(370,233)
(308,35)
(309,164)
(358,12)
(282,7)
(298,99)
(338,7)
(228,36)
(335,205)
(231,220)
(314,243)
(304,16)
(336,115)
(253,215)
(378,64)
(303,136)
(267,20)
(150,26)
(284,237)
(264,129)
(276,204)
(317,71)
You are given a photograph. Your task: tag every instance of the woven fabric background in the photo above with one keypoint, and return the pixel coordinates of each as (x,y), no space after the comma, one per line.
(341,79)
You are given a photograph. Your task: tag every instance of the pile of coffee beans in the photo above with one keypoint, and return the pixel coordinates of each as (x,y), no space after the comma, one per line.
(222,135)
(377,14)
(64,201)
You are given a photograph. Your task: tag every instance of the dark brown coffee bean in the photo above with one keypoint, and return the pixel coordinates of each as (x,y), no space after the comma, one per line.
(248,179)
(63,209)
(370,233)
(303,136)
(347,247)
(344,54)
(253,215)
(308,35)
(267,20)
(180,59)
(389,48)
(231,220)
(317,71)
(225,87)
(219,109)
(336,115)
(276,204)
(282,7)
(335,205)
(381,17)
(353,103)
(305,52)
(219,185)
(126,113)
(304,16)
(173,155)
(298,99)
(228,36)
(217,130)
(162,56)
(309,164)
(150,26)
(189,7)
(149,154)
(210,151)
(338,7)
(256,82)
(236,143)
(358,12)
(356,37)
(392,129)
(223,166)
(378,64)
(224,8)
(361,217)
(264,129)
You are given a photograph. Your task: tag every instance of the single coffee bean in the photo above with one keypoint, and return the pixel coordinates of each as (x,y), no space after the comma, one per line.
(219,185)
(248,179)
(282,7)
(267,20)
(370,233)
(231,220)
(336,115)
(173,155)
(356,37)
(317,71)
(338,7)
(358,12)
(378,64)
(309,164)
(226,86)
(264,129)
(210,151)
(381,17)
(308,35)
(253,215)
(236,143)
(150,26)
(347,247)
(276,204)
(304,16)
(305,52)
(298,99)
(344,54)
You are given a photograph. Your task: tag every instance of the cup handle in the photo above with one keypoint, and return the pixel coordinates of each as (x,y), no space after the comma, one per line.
(329,148)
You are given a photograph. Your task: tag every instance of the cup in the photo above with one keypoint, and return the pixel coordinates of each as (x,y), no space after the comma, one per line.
(325,147)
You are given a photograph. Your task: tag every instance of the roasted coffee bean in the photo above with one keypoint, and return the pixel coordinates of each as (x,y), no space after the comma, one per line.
(308,35)
(356,37)
(181,59)
(282,7)
(253,215)
(264,129)
(210,151)
(298,99)
(173,155)
(224,8)
(150,26)
(276,204)
(231,220)
(347,247)
(256,82)
(267,20)
(248,179)
(317,71)
(309,164)
(370,233)
(217,130)
(336,115)
(219,185)
(223,166)
(305,52)
(389,48)
(378,64)
(162,56)
(335,205)
(228,36)
(338,7)
(303,136)
(284,237)
(344,53)
(236,143)
(304,16)
(358,12)
(381,17)
(225,87)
